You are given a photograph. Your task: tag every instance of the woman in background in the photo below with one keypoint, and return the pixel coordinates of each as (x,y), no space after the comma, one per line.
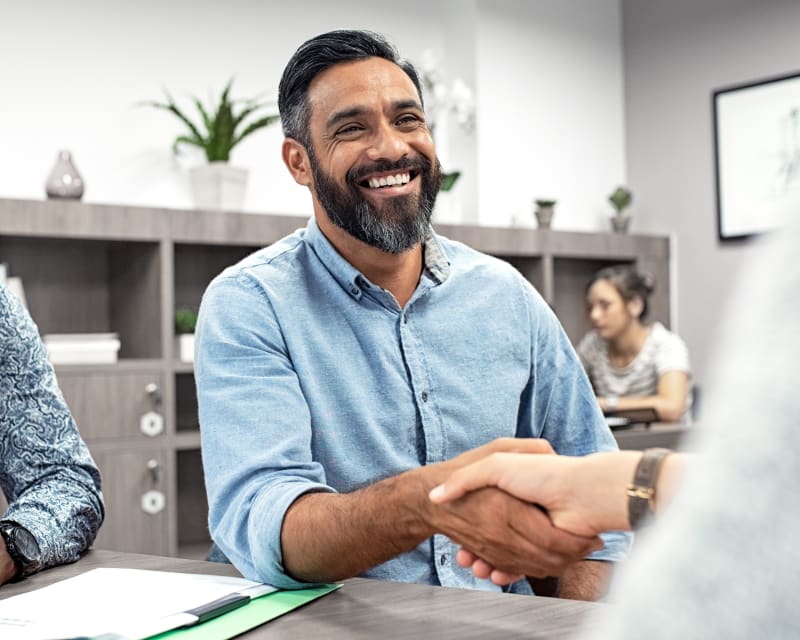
(632,364)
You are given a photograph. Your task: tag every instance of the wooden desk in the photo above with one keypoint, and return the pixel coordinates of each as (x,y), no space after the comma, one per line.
(371,608)
(658,434)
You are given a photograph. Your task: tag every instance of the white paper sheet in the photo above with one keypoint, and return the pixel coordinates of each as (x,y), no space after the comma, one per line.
(131,603)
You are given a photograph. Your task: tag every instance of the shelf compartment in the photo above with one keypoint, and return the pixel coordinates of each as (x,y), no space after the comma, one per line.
(91,286)
(197,265)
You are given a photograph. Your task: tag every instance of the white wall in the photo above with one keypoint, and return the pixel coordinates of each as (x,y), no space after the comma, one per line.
(73,73)
(676,53)
(550,90)
(548,73)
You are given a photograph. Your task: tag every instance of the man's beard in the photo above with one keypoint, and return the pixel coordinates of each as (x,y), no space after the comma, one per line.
(397,226)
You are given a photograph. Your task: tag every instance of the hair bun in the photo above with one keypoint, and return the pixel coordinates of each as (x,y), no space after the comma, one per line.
(648,281)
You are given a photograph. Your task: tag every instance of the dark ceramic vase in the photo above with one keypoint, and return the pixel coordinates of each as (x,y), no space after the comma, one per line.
(64,180)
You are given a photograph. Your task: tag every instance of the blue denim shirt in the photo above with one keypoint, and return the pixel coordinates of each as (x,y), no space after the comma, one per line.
(312,378)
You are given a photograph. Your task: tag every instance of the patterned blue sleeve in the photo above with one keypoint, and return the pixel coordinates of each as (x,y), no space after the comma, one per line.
(46,472)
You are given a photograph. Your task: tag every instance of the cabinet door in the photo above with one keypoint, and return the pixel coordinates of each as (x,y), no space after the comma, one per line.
(135,494)
(113,404)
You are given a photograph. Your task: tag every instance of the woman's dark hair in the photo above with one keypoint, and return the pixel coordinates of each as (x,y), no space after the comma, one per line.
(315,56)
(629,283)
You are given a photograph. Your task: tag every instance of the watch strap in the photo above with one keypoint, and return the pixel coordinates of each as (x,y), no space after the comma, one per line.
(642,491)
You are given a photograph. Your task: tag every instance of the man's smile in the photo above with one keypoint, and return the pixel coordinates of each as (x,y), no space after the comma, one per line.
(390,184)
(387,181)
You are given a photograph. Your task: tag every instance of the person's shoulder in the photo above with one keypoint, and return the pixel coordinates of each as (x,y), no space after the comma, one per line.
(590,344)
(665,337)
(273,262)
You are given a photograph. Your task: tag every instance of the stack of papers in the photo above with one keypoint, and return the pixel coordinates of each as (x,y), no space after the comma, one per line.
(133,604)
(82,348)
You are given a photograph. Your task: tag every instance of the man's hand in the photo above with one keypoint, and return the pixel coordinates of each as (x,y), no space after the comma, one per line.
(7,567)
(510,535)
(507,533)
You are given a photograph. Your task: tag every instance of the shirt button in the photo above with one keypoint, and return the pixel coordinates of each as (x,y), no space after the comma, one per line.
(443,559)
(424,396)
(354,291)
(405,318)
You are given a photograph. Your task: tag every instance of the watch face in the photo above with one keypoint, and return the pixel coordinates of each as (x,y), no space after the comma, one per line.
(22,547)
(26,545)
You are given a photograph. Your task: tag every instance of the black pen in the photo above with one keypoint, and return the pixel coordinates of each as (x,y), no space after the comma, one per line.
(217,608)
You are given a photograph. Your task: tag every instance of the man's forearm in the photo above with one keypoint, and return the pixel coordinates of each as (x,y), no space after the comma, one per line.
(329,536)
(587,580)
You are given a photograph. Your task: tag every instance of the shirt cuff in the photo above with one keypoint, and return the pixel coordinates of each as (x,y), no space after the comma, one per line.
(264,531)
(618,544)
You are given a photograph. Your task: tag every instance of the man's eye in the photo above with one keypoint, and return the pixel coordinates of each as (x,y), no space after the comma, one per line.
(409,120)
(349,130)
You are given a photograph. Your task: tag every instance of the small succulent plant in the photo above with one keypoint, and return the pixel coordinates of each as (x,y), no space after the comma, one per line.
(620,199)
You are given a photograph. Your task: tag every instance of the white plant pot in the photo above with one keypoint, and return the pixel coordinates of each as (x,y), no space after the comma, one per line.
(620,222)
(185,347)
(218,186)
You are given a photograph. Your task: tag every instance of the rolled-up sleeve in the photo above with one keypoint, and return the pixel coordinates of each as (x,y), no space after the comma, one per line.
(255,427)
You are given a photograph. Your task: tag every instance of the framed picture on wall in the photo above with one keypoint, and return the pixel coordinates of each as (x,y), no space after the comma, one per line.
(757,152)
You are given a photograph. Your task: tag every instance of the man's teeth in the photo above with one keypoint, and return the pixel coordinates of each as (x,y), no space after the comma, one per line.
(389,181)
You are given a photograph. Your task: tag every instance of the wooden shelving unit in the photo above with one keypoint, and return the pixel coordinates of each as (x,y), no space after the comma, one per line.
(102,268)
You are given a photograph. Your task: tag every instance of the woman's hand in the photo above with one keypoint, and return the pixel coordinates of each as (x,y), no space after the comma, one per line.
(584,496)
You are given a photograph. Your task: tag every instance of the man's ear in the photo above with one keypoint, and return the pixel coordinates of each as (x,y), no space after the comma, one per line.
(296,160)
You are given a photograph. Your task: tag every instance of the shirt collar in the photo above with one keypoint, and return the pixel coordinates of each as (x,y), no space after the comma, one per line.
(352,280)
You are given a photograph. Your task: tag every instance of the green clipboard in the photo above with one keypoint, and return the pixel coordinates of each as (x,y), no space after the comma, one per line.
(256,612)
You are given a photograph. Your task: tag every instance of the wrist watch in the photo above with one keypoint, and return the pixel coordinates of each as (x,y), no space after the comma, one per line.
(642,490)
(22,547)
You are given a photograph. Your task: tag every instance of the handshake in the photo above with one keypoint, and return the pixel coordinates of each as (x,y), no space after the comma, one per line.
(517,509)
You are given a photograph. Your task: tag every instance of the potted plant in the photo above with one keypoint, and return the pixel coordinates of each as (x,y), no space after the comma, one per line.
(185,322)
(221,127)
(620,200)
(544,212)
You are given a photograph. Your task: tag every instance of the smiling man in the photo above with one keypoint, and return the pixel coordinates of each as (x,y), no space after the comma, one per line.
(347,369)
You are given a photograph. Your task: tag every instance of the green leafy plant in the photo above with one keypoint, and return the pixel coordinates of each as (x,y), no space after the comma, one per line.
(222,126)
(185,320)
(545,203)
(620,199)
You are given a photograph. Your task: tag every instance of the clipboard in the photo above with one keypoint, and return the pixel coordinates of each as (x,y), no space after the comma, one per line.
(249,616)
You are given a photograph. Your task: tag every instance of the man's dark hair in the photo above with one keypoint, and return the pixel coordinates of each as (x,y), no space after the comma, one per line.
(315,56)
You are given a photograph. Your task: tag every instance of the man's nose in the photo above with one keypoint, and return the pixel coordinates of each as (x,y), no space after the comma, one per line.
(387,144)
